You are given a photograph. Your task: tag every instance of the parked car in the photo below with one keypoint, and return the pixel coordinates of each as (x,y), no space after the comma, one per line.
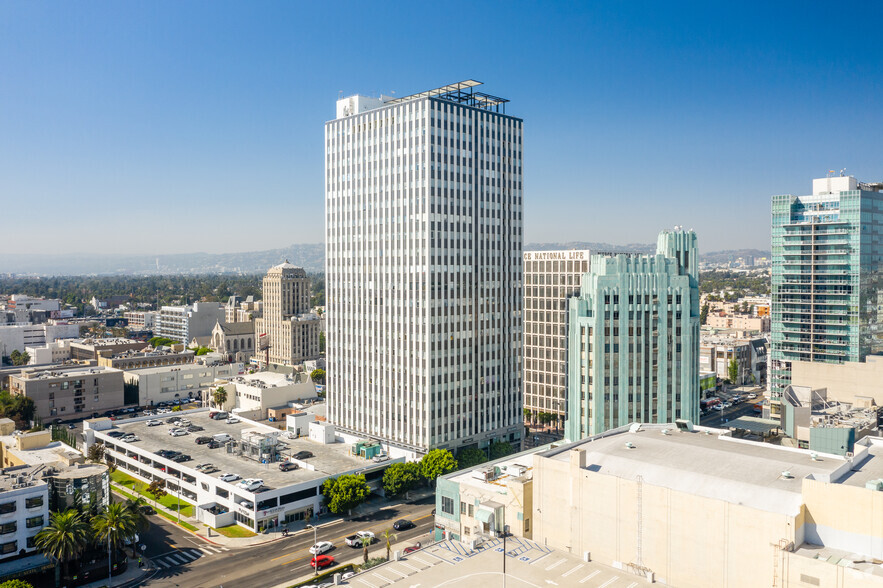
(246,503)
(214,444)
(153,423)
(412,548)
(147,509)
(231,420)
(195,428)
(210,470)
(302,455)
(116,434)
(218,416)
(321,547)
(167,453)
(356,540)
(251,484)
(178,432)
(380,458)
(130,439)
(181,458)
(228,477)
(287,465)
(203,440)
(199,466)
(402,524)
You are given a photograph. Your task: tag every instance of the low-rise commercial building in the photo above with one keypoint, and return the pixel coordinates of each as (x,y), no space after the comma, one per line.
(24,510)
(85,349)
(848,382)
(56,352)
(759,324)
(252,395)
(252,451)
(750,354)
(141,319)
(824,425)
(691,506)
(133,360)
(19,337)
(177,381)
(70,392)
(182,323)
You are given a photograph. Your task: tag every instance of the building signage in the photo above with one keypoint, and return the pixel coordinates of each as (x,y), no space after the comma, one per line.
(272,511)
(562,255)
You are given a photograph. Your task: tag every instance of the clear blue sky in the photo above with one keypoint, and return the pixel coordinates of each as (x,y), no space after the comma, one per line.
(161,127)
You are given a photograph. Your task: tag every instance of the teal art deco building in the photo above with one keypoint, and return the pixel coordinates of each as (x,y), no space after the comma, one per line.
(633,335)
(827,254)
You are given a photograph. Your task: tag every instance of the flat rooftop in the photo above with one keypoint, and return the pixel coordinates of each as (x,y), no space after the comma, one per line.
(329,460)
(708,463)
(512,467)
(48,454)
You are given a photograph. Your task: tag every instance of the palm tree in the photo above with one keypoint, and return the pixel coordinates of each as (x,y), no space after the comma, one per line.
(366,541)
(65,537)
(389,537)
(114,524)
(219,397)
(139,519)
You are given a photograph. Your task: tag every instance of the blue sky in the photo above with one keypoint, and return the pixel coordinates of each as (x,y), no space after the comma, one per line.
(163,127)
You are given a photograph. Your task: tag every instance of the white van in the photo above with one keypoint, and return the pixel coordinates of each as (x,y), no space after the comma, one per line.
(222,438)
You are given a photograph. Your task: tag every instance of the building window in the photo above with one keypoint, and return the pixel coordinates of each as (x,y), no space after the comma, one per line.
(8,547)
(526,525)
(7,507)
(462,508)
(32,542)
(447,505)
(7,528)
(222,493)
(32,522)
(34,502)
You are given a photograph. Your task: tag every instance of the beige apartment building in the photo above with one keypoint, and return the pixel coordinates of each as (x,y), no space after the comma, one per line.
(693,507)
(291,330)
(550,278)
(70,392)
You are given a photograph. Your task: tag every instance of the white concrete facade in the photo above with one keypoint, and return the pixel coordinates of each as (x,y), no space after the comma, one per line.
(171,382)
(182,323)
(24,511)
(424,269)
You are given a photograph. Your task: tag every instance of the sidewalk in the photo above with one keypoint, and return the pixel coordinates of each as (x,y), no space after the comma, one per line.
(130,578)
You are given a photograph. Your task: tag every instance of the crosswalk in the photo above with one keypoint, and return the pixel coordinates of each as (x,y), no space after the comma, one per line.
(182,557)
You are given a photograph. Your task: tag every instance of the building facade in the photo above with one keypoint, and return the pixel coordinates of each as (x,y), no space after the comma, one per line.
(235,340)
(175,382)
(550,278)
(826,277)
(424,268)
(182,323)
(70,392)
(291,330)
(24,510)
(634,339)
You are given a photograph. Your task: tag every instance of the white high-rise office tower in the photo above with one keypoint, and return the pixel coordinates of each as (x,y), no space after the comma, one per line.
(423,204)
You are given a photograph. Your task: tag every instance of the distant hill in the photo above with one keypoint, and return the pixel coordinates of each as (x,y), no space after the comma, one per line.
(310,256)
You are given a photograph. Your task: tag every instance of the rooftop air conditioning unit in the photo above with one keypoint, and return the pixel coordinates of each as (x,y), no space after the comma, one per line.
(629,445)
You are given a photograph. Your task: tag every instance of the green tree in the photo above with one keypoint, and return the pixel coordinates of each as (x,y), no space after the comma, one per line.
(322,342)
(703,314)
(19,358)
(64,538)
(17,407)
(16,583)
(139,519)
(318,376)
(527,414)
(113,525)
(219,396)
(157,489)
(470,457)
(366,543)
(733,372)
(344,493)
(501,449)
(95,453)
(203,350)
(399,478)
(389,537)
(437,463)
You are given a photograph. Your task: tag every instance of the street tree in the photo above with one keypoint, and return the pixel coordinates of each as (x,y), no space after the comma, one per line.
(399,478)
(157,489)
(64,538)
(366,542)
(344,493)
(114,525)
(733,372)
(471,457)
(437,463)
(318,376)
(389,537)
(703,314)
(95,453)
(502,449)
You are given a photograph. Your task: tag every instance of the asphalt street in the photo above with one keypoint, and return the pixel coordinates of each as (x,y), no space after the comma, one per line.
(720,418)
(187,560)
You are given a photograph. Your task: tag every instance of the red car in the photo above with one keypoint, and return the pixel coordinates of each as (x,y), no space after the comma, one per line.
(412,549)
(322,561)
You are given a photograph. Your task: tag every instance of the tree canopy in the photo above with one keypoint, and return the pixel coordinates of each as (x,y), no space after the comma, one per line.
(471,457)
(399,478)
(345,492)
(17,407)
(501,449)
(437,463)
(318,376)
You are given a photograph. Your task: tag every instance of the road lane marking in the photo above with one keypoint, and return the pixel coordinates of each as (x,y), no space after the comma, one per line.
(590,576)
(177,559)
(565,574)
(161,563)
(609,582)
(205,551)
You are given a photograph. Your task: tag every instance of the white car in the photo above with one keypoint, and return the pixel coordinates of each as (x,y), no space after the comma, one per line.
(228,477)
(356,540)
(251,484)
(178,432)
(130,439)
(321,547)
(231,420)
(752,396)
(718,407)
(153,423)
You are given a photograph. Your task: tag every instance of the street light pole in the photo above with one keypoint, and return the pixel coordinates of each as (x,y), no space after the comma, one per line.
(109,558)
(315,555)
(504,559)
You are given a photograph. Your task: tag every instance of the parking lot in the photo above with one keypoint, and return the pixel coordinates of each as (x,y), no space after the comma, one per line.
(328,459)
